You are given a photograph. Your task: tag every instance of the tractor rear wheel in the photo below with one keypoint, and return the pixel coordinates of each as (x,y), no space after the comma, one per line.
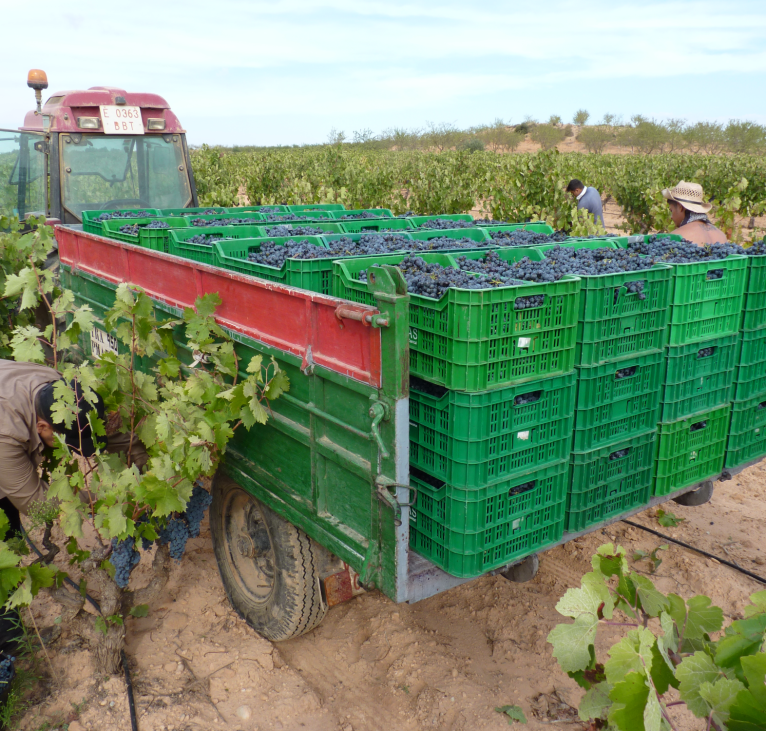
(700,496)
(268,566)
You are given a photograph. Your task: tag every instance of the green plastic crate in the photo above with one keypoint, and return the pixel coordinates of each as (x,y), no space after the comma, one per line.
(90,225)
(178,242)
(750,377)
(747,432)
(253,218)
(476,509)
(469,440)
(617,400)
(693,383)
(324,226)
(373,225)
(258,209)
(619,504)
(418,221)
(538,227)
(621,337)
(302,217)
(315,275)
(312,207)
(191,211)
(377,212)
(153,238)
(479,235)
(755,294)
(616,469)
(704,320)
(502,545)
(473,340)
(691,450)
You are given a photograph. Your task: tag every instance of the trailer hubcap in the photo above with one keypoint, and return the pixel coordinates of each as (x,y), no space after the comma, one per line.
(249,546)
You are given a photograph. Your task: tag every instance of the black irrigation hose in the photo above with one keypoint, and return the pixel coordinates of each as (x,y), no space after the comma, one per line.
(698,550)
(129,684)
(125,667)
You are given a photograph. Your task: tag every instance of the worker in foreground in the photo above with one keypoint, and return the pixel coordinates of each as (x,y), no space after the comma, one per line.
(588,198)
(689,213)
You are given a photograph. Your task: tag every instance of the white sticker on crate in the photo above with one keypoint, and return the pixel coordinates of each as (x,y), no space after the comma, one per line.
(102,342)
(413,336)
(523,435)
(524,342)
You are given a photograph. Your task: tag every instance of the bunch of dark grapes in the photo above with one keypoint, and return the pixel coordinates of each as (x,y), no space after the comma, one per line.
(357,216)
(527,398)
(176,533)
(409,214)
(124,214)
(490,222)
(522,237)
(625,373)
(220,221)
(619,454)
(7,671)
(433,280)
(135,228)
(440,243)
(683,252)
(207,239)
(442,223)
(705,352)
(282,216)
(157,224)
(124,558)
(274,255)
(757,249)
(198,503)
(208,212)
(269,209)
(294,231)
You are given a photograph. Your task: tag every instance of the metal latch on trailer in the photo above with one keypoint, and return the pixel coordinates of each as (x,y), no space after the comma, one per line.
(386,491)
(349,312)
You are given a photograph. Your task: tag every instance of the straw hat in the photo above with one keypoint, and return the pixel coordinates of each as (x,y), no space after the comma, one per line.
(689,195)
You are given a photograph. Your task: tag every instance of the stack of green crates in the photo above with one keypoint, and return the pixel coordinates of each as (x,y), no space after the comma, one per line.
(491,414)
(620,366)
(701,360)
(747,430)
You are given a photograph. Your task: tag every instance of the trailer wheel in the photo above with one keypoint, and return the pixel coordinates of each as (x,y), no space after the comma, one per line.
(700,496)
(525,570)
(268,566)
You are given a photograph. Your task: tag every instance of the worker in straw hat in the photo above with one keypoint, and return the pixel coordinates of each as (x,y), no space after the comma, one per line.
(689,213)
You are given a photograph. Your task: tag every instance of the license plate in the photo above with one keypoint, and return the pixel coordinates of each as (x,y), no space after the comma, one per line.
(102,342)
(122,120)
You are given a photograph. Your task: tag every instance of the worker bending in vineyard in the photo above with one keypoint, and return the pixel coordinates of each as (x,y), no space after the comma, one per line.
(689,213)
(588,198)
(26,428)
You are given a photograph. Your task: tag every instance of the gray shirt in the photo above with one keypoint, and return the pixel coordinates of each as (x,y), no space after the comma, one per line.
(590,200)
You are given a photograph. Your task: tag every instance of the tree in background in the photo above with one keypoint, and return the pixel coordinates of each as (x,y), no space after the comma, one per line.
(554,120)
(547,136)
(581,117)
(595,138)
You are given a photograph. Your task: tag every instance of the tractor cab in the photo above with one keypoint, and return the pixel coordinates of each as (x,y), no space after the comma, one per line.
(103,148)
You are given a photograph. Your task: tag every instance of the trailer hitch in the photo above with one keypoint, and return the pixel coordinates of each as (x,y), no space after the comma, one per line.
(385,495)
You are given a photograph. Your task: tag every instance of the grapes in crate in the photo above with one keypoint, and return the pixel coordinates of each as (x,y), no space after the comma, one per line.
(442,223)
(220,221)
(521,237)
(124,214)
(666,250)
(293,231)
(442,243)
(135,228)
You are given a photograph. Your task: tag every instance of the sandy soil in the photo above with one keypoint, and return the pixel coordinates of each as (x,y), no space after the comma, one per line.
(444,663)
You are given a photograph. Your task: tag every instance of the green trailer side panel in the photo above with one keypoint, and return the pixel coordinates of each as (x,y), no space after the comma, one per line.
(316,461)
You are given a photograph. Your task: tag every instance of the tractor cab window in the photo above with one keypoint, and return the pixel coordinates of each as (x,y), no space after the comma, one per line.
(22,170)
(99,171)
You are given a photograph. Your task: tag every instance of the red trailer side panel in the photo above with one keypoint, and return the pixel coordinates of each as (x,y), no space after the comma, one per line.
(294,320)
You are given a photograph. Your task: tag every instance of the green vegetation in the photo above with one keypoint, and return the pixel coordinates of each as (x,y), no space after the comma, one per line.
(668,657)
(519,187)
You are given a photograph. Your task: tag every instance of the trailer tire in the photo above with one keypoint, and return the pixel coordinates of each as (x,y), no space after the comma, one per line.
(268,566)
(700,496)
(523,571)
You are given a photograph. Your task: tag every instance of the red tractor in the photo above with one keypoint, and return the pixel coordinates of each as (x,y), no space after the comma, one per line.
(103,148)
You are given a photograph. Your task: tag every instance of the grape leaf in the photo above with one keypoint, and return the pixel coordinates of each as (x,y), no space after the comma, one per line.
(633,653)
(693,671)
(720,696)
(758,605)
(4,525)
(571,642)
(754,667)
(668,520)
(610,560)
(652,601)
(595,702)
(652,713)
(100,625)
(743,637)
(140,610)
(702,617)
(662,671)
(586,600)
(629,698)
(514,713)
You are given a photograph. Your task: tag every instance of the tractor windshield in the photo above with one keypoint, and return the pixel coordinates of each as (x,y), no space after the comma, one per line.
(99,171)
(22,169)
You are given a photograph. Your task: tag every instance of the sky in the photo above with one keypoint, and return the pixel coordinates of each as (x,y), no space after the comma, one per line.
(288,72)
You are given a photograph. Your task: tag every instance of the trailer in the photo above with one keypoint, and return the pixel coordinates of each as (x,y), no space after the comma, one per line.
(312,508)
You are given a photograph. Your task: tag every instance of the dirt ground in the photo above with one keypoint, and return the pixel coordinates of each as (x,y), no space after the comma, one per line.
(443,663)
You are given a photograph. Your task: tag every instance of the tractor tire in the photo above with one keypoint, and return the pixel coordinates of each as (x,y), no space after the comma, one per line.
(268,566)
(526,570)
(700,496)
